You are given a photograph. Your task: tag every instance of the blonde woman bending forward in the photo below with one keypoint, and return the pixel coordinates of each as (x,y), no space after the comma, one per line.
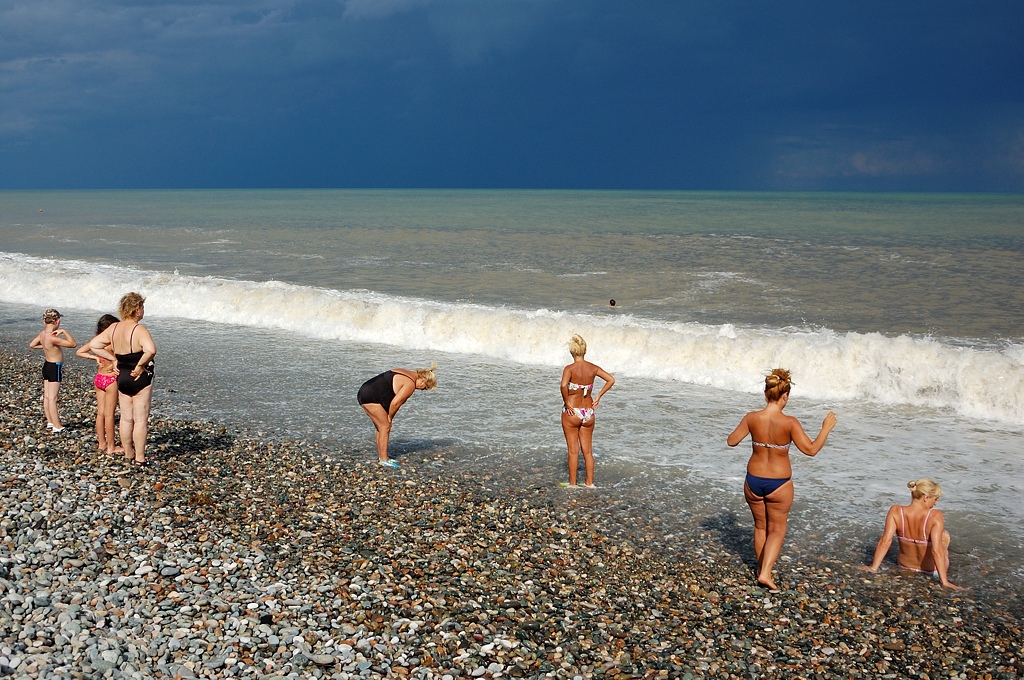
(921,533)
(768,488)
(579,407)
(382,395)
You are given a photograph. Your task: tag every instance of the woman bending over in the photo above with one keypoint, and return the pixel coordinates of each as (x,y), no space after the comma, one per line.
(382,395)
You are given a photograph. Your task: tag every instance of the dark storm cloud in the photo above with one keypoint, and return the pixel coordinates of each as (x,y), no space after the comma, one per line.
(519,93)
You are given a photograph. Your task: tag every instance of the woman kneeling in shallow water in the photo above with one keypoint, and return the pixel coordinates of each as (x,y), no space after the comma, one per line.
(921,533)
(768,488)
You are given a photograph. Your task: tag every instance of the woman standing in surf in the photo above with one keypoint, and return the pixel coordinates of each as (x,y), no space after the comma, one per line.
(579,407)
(768,488)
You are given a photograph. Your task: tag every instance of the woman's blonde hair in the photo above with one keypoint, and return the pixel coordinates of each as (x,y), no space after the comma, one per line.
(577,346)
(130,305)
(427,376)
(776,384)
(924,487)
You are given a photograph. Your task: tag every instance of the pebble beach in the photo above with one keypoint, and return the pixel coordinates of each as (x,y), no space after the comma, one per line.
(233,555)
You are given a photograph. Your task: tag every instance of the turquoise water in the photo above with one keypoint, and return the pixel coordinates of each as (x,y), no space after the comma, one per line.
(899,312)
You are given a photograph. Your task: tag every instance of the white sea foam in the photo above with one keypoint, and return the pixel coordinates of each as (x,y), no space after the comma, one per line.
(903,370)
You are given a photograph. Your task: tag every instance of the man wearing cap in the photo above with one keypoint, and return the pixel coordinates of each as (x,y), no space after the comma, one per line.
(52,340)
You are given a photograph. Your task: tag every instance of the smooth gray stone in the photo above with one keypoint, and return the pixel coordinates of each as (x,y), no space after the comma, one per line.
(322,659)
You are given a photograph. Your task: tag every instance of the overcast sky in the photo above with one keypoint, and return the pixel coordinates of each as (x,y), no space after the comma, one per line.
(630,94)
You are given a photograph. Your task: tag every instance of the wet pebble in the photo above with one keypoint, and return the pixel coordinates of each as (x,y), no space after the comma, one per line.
(237,556)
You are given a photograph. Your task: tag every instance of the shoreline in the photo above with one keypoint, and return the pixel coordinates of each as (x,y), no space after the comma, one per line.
(231,555)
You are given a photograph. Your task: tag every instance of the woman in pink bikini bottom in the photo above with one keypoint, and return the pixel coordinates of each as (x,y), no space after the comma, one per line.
(105,383)
(579,407)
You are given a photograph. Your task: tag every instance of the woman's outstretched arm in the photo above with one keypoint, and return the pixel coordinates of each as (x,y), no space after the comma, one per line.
(882,549)
(740,433)
(804,443)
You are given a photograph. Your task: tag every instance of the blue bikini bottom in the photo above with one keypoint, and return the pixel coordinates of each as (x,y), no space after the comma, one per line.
(762,486)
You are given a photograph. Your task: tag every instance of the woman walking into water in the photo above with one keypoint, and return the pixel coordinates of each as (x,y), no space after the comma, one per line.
(579,407)
(768,488)
(921,533)
(382,395)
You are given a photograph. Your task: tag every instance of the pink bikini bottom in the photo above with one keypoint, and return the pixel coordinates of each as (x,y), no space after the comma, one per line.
(102,381)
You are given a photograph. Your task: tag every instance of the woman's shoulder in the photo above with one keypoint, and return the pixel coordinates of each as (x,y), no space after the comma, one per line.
(140,330)
(751,415)
(580,370)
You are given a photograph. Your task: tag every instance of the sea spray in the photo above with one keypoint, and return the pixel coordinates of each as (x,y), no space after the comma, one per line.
(900,370)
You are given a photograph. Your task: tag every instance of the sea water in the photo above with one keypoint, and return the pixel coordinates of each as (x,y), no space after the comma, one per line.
(901,313)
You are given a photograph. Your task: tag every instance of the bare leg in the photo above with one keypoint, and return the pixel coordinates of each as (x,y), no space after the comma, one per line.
(756,504)
(129,412)
(587,445)
(127,425)
(383,426)
(101,422)
(50,392)
(140,428)
(942,554)
(775,507)
(571,429)
(109,407)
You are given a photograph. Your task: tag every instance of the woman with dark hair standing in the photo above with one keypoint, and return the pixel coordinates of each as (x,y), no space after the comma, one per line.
(105,383)
(768,488)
